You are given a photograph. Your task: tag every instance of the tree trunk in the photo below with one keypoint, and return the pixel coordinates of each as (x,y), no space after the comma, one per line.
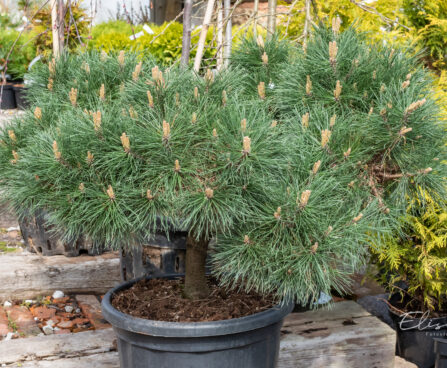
(271,23)
(204,30)
(196,286)
(186,41)
(57,20)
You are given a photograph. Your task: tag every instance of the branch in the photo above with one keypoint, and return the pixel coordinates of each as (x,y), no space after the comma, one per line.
(372,10)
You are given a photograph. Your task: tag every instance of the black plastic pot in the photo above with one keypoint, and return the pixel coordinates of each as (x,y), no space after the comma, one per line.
(441,353)
(416,338)
(155,256)
(248,342)
(20,96)
(8,100)
(39,237)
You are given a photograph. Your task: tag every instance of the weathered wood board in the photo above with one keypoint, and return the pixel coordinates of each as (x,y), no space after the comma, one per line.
(345,337)
(54,347)
(27,275)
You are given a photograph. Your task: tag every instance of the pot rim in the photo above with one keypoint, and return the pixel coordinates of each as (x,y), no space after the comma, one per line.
(188,329)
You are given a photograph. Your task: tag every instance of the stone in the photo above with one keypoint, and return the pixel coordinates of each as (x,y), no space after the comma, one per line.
(58,294)
(13,228)
(78,310)
(47,330)
(61,331)
(9,336)
(65,324)
(69,308)
(29,301)
(7,304)
(50,323)
(61,300)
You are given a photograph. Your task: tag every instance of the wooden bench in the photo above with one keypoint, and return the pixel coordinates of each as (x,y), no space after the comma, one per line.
(346,336)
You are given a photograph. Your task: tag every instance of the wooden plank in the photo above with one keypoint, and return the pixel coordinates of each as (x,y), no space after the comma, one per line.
(345,336)
(105,360)
(27,275)
(57,346)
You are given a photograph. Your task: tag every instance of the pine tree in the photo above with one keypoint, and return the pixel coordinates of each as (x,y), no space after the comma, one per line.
(292,182)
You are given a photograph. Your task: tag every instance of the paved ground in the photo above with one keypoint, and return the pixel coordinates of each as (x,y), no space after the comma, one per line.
(6,115)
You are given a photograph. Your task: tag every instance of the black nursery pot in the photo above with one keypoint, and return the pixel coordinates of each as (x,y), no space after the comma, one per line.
(441,353)
(416,338)
(20,96)
(248,342)
(8,99)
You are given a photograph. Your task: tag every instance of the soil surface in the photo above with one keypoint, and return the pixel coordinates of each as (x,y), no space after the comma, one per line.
(162,300)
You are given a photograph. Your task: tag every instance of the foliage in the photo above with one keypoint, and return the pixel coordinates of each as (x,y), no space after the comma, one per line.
(429,19)
(291,199)
(165,44)
(419,258)
(21,56)
(76,25)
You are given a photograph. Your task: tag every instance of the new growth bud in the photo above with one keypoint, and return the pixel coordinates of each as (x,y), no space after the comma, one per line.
(137,71)
(308,86)
(224,97)
(121,58)
(265,58)
(50,84)
(57,154)
(243,125)
(261,90)
(357,218)
(260,41)
(316,167)
(325,136)
(209,193)
(125,142)
(82,187)
(314,248)
(414,106)
(89,157)
(166,131)
(194,118)
(336,22)
(347,153)
(277,213)
(332,121)
(176,166)
(12,136)
(102,92)
(304,198)
(305,120)
(97,120)
(337,91)
(16,157)
(149,195)
(333,50)
(246,146)
(73,94)
(110,193)
(150,99)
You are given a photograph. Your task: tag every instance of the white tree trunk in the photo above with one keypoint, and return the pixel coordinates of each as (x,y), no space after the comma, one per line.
(202,39)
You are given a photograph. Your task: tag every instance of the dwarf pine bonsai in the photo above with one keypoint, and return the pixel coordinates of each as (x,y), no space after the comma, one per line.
(291,178)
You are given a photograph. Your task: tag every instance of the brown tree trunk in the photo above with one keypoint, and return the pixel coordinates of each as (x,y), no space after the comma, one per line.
(196,286)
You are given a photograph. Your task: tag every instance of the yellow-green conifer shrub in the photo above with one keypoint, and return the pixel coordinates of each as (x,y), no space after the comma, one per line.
(419,257)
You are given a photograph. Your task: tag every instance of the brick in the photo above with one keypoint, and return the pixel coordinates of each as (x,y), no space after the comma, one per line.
(91,308)
(23,319)
(4,323)
(43,312)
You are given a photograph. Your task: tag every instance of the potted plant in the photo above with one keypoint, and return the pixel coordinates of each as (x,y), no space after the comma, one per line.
(413,267)
(282,185)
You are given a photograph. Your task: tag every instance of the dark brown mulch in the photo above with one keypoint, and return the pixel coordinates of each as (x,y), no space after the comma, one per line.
(162,300)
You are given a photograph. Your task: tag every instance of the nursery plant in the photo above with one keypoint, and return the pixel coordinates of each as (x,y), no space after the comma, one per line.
(284,184)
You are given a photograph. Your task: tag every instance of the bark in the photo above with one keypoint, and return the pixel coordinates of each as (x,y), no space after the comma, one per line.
(228,34)
(196,286)
(186,41)
(271,24)
(57,23)
(204,30)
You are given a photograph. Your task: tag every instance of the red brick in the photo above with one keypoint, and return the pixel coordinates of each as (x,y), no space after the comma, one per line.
(62,331)
(4,323)
(43,312)
(23,319)
(65,324)
(92,310)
